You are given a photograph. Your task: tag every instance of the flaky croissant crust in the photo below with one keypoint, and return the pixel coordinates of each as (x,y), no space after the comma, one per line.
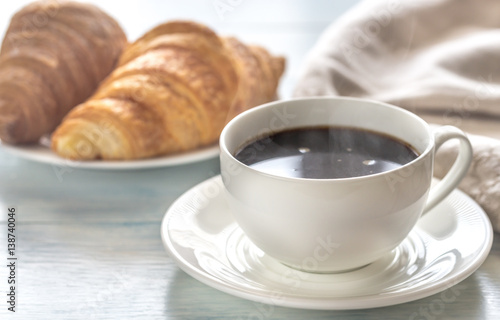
(173,91)
(53,56)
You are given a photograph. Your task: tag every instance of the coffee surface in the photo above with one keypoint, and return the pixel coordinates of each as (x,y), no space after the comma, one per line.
(326,153)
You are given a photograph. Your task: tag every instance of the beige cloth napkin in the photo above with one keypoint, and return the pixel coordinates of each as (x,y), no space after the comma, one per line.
(437,58)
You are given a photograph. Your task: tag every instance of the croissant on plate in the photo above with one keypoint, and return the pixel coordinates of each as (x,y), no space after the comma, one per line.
(174,90)
(53,57)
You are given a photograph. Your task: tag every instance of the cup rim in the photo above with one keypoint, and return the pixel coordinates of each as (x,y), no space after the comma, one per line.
(231,123)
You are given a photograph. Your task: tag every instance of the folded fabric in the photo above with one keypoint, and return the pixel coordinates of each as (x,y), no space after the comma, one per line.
(482,183)
(437,58)
(427,56)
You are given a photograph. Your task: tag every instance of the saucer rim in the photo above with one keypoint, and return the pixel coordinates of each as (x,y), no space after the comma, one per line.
(327,303)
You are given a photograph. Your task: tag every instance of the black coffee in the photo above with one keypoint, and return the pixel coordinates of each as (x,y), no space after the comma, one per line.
(326,153)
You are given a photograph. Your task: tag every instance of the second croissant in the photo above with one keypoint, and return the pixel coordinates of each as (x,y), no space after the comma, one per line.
(174,90)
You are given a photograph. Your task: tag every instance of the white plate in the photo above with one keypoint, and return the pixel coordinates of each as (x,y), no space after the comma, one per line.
(42,153)
(448,244)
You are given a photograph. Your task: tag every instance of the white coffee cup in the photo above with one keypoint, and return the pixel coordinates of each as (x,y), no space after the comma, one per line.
(334,225)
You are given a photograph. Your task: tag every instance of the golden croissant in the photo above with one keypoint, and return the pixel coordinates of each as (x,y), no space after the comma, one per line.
(174,90)
(53,57)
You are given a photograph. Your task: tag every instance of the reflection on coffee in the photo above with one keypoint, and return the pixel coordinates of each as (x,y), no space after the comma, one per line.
(326,153)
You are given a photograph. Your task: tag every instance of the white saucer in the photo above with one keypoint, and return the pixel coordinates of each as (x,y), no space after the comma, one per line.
(448,244)
(42,153)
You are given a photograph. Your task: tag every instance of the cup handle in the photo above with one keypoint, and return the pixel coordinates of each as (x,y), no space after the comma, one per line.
(459,169)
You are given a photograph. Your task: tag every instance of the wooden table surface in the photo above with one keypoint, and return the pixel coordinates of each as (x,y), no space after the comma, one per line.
(88,241)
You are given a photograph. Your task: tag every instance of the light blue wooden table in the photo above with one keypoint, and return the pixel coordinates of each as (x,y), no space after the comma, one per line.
(88,242)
